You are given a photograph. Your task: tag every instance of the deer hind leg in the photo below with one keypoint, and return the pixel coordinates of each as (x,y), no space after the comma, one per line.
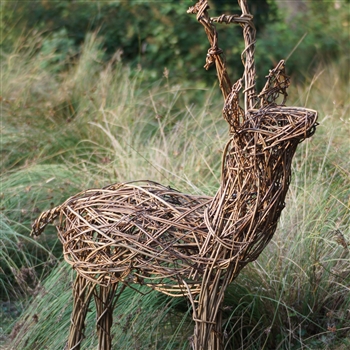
(82,293)
(105,300)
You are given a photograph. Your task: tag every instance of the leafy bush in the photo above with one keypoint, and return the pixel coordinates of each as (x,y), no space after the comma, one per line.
(307,39)
(156,35)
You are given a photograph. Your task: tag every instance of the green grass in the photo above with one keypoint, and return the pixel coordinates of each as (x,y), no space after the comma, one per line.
(96,124)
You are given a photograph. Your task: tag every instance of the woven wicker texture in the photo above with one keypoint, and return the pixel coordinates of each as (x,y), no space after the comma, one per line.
(150,234)
(181,244)
(135,232)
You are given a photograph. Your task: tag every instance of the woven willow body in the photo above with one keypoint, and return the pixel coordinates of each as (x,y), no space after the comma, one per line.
(184,245)
(150,234)
(133,232)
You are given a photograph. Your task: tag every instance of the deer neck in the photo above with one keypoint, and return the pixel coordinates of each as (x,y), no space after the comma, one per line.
(252,180)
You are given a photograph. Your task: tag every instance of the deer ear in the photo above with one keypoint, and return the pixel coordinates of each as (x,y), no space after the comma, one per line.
(276,85)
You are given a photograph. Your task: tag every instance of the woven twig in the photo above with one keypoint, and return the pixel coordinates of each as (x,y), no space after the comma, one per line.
(149,234)
(215,53)
(133,232)
(181,244)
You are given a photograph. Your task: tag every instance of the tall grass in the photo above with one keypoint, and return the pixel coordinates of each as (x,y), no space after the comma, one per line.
(95,124)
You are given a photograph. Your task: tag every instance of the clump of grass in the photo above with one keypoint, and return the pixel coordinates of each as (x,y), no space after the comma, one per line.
(109,119)
(143,319)
(23,263)
(18,261)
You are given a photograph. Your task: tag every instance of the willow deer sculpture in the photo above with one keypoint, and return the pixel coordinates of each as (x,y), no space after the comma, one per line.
(180,244)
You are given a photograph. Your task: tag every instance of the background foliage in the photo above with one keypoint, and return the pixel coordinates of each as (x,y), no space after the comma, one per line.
(159,34)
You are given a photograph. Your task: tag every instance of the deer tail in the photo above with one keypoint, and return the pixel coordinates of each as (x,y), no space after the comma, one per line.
(44,219)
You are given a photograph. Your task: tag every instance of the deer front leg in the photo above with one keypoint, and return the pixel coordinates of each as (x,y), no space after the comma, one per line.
(208,314)
(82,292)
(208,324)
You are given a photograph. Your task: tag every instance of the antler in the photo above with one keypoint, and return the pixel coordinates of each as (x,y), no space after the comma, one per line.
(214,53)
(232,112)
(249,33)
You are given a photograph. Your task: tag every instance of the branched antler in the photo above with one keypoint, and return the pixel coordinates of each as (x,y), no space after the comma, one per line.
(214,55)
(232,112)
